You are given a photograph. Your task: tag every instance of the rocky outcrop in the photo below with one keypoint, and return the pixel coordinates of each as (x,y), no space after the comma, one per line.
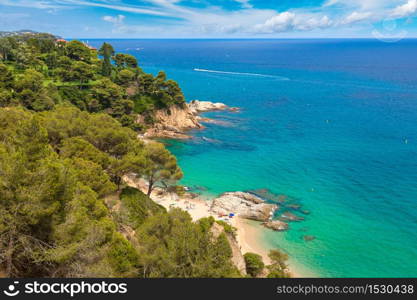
(173,122)
(244,205)
(276,225)
(177,118)
(198,107)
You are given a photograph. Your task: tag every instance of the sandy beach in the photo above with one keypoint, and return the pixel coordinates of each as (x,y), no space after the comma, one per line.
(248,237)
(248,233)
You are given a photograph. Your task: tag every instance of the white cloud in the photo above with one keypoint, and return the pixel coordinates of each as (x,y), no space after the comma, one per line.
(311,23)
(362,4)
(247,20)
(289,21)
(406,9)
(279,23)
(244,3)
(30,4)
(125,8)
(356,17)
(117,20)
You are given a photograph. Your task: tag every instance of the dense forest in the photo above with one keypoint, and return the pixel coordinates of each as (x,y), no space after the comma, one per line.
(68,135)
(40,71)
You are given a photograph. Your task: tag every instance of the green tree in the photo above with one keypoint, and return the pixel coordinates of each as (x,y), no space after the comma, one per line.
(32,93)
(171,245)
(78,71)
(125,77)
(122,108)
(106,92)
(278,267)
(130,163)
(125,61)
(107,52)
(160,166)
(254,264)
(7,45)
(77,147)
(92,175)
(51,59)
(146,84)
(77,50)
(136,207)
(51,221)
(34,185)
(6,77)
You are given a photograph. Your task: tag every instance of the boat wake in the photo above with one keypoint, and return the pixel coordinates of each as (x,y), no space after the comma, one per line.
(244,74)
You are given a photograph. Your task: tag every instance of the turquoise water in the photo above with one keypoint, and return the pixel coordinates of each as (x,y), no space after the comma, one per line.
(330,124)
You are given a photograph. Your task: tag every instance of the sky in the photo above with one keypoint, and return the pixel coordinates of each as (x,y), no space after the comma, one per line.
(383,19)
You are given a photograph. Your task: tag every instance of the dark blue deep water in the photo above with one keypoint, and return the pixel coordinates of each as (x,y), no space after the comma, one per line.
(329,124)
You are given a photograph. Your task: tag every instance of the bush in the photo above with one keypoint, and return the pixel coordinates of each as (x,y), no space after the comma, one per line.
(136,207)
(229,229)
(254,264)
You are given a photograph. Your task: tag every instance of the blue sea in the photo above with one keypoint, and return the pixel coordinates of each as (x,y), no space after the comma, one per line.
(330,125)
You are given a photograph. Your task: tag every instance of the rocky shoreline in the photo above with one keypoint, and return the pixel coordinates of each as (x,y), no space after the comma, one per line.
(234,208)
(230,206)
(173,123)
(244,205)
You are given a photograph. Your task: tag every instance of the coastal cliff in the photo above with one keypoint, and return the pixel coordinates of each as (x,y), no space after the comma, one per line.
(172,122)
(175,121)
(237,256)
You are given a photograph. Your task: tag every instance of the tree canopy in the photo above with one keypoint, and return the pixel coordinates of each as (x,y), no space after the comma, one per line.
(68,136)
(56,170)
(40,72)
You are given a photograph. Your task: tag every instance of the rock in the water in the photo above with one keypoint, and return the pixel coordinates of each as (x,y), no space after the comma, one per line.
(245,205)
(288,216)
(309,238)
(171,123)
(276,225)
(174,121)
(282,198)
(294,206)
(197,106)
(268,195)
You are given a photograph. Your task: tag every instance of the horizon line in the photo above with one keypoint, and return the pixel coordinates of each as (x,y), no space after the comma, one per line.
(230,38)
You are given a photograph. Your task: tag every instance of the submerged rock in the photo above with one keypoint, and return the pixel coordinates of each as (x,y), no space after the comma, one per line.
(268,195)
(309,238)
(282,198)
(276,225)
(294,206)
(245,205)
(199,188)
(288,216)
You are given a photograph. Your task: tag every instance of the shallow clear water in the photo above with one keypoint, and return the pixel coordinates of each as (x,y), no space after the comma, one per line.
(339,137)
